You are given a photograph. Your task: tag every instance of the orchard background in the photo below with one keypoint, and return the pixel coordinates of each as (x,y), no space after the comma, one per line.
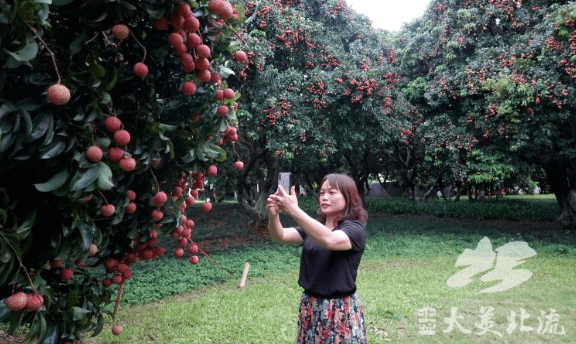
(161,105)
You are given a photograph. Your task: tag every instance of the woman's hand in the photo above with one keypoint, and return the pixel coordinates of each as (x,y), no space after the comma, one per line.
(287,202)
(272,205)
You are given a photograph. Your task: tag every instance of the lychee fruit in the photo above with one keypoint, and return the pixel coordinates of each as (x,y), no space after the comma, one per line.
(189,88)
(189,201)
(140,70)
(160,199)
(212,170)
(203,64)
(240,56)
(157,215)
(178,252)
(35,301)
(66,274)
(120,31)
(58,94)
(206,206)
(203,51)
(191,24)
(214,78)
(204,75)
(17,302)
(112,124)
(116,329)
(193,249)
(193,40)
(122,137)
(175,39)
(115,154)
(131,195)
(239,165)
(94,154)
(107,210)
(106,282)
(161,23)
(228,93)
(92,250)
(194,260)
(219,95)
(130,208)
(127,164)
(222,110)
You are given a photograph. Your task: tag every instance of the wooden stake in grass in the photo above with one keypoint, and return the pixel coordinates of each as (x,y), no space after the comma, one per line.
(244,275)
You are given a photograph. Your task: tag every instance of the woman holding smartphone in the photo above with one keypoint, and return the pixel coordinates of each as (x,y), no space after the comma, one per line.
(330,310)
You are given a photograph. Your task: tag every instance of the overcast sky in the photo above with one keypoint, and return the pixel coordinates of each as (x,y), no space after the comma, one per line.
(389,14)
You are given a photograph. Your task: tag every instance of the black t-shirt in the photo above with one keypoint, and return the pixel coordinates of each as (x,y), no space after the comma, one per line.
(331,274)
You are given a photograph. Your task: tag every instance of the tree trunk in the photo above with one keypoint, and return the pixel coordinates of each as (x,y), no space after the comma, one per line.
(559,179)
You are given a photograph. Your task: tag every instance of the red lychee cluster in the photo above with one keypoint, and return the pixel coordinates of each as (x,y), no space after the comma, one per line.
(21,301)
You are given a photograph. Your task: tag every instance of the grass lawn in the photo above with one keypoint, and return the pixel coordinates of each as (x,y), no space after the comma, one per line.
(407,262)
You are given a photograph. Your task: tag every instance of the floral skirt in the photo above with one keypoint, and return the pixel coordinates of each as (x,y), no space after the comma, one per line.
(331,321)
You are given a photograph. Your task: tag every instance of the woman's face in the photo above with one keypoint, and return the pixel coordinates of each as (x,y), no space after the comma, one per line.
(331,200)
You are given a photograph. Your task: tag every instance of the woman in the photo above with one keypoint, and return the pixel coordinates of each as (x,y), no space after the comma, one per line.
(330,311)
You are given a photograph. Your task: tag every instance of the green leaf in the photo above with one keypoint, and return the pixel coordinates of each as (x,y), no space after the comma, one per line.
(86,232)
(4,311)
(105,177)
(53,183)
(78,43)
(86,179)
(61,2)
(54,149)
(25,54)
(41,125)
(79,313)
(5,256)
(51,335)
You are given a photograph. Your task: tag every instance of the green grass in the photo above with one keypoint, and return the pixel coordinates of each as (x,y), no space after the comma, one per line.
(405,268)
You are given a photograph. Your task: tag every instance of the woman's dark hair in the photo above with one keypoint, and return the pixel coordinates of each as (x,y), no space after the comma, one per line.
(354,210)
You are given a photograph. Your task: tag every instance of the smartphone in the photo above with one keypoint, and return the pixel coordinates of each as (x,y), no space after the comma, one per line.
(284,180)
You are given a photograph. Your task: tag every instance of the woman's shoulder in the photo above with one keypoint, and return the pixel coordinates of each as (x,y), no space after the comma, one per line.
(352,223)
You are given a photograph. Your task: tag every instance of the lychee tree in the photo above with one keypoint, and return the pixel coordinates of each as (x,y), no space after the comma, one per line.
(503,71)
(320,85)
(109,125)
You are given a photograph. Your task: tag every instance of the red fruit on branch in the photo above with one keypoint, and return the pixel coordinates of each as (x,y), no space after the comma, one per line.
(203,64)
(203,51)
(140,70)
(122,137)
(131,195)
(66,274)
(157,215)
(189,88)
(206,206)
(161,23)
(212,170)
(120,31)
(193,249)
(58,94)
(179,252)
(106,282)
(228,93)
(127,164)
(240,56)
(204,75)
(17,302)
(175,39)
(194,260)
(193,40)
(191,24)
(35,301)
(115,154)
(222,110)
(219,95)
(189,201)
(112,124)
(160,199)
(94,154)
(92,250)
(107,210)
(131,208)
(239,165)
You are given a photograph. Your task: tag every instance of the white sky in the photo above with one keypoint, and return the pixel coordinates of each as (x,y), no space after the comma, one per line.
(389,14)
